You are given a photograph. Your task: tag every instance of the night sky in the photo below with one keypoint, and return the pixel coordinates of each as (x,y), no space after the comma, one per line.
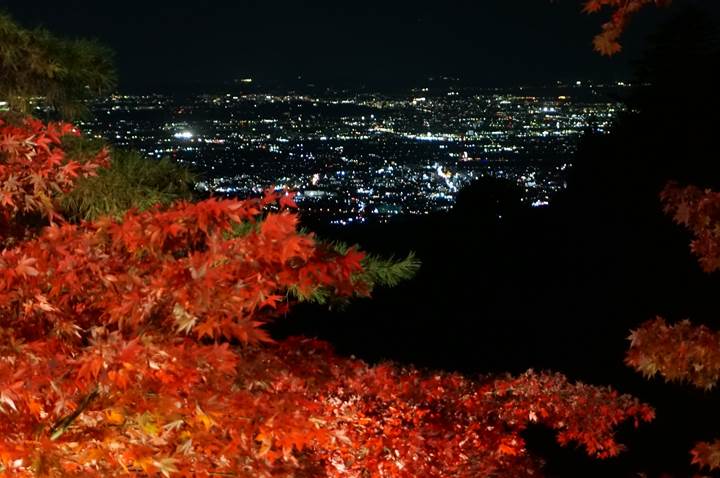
(486,42)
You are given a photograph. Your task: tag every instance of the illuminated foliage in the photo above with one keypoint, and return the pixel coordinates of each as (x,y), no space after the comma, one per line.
(171,405)
(678,352)
(607,41)
(682,351)
(35,171)
(134,346)
(699,211)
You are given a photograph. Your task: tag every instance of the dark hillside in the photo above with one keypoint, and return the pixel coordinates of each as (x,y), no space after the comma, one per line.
(505,288)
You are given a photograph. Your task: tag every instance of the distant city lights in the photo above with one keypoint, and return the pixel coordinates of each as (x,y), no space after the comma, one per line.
(354,157)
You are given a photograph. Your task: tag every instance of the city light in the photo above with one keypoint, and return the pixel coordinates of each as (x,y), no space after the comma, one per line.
(384,156)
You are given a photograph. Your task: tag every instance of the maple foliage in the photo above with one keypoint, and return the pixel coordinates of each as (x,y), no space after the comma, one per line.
(34,169)
(183,267)
(683,351)
(707,454)
(678,352)
(134,346)
(699,211)
(607,41)
(173,406)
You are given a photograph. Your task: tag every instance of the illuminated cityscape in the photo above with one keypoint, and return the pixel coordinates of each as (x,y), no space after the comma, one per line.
(357,156)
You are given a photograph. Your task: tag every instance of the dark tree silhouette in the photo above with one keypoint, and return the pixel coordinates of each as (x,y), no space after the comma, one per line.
(35,63)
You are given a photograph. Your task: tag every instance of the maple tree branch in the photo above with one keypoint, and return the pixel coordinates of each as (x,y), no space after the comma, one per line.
(60,426)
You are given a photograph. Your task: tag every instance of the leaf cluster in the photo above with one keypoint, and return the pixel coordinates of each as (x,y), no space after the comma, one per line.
(157,405)
(678,352)
(35,170)
(699,211)
(683,351)
(607,42)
